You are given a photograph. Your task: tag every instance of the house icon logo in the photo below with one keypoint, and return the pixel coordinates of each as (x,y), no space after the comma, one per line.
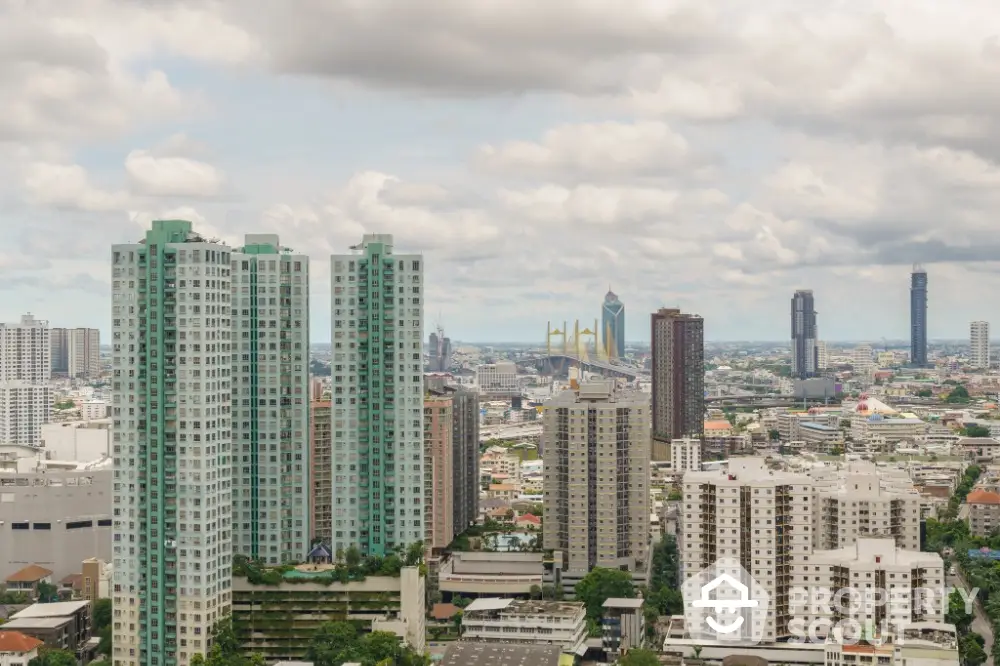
(725,603)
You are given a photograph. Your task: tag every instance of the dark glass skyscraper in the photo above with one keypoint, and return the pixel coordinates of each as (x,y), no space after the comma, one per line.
(613,325)
(918,317)
(805,356)
(678,401)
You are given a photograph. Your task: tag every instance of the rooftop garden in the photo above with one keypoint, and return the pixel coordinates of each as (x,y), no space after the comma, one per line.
(347,566)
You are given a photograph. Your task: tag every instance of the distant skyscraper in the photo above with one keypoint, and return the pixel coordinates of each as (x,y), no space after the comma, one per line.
(173,457)
(805,358)
(270,375)
(918,317)
(678,407)
(979,344)
(378,416)
(438,352)
(76,352)
(613,325)
(25,394)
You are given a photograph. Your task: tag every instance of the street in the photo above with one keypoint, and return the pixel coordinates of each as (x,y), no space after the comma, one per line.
(980,623)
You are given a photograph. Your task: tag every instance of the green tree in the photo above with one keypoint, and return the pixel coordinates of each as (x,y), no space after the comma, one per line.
(102,614)
(976,431)
(774,435)
(925,393)
(47,593)
(53,657)
(970,649)
(957,614)
(639,657)
(959,394)
(352,556)
(535,592)
(674,495)
(600,585)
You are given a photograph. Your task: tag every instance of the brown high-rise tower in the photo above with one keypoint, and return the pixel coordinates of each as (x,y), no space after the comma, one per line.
(678,345)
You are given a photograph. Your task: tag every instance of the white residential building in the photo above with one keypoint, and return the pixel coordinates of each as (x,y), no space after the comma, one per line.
(270,374)
(494,620)
(94,409)
(751,514)
(25,371)
(894,587)
(822,355)
(862,360)
(378,397)
(979,344)
(173,458)
(685,455)
(497,378)
(596,461)
(862,501)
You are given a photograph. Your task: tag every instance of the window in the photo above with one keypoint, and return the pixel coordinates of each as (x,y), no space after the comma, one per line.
(42,526)
(79,524)
(19,526)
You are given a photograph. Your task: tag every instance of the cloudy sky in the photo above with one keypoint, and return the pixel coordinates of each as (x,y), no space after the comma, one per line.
(714,155)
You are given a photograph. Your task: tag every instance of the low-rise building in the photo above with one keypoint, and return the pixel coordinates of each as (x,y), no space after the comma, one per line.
(488,573)
(466,653)
(18,649)
(27,579)
(493,620)
(984,512)
(278,620)
(623,626)
(63,625)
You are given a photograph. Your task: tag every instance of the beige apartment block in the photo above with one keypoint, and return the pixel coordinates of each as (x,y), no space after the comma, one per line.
(984,512)
(439,472)
(596,456)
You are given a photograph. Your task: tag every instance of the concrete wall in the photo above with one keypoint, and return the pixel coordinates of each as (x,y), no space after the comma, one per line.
(82,441)
(56,498)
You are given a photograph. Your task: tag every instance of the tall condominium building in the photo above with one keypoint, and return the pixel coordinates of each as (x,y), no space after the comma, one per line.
(751,515)
(805,359)
(596,461)
(918,317)
(613,325)
(678,406)
(25,394)
(465,450)
(438,352)
(173,458)
(378,415)
(822,355)
(320,472)
(979,344)
(497,379)
(862,360)
(439,470)
(76,352)
(270,377)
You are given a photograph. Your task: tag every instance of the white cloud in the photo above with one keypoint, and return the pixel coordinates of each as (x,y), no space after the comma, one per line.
(172,176)
(69,187)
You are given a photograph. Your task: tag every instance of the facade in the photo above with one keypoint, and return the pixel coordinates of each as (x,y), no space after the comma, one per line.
(805,356)
(80,441)
(596,462)
(979,344)
(984,512)
(918,317)
(497,379)
(623,627)
(320,472)
(465,449)
(864,501)
(495,620)
(377,379)
(261,613)
(172,391)
(678,403)
(54,519)
(76,352)
(755,516)
(879,565)
(822,355)
(685,455)
(25,394)
(790,423)
(270,420)
(862,360)
(613,325)
(438,471)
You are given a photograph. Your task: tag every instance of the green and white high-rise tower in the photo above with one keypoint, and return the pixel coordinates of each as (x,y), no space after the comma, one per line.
(377,400)
(270,366)
(172,391)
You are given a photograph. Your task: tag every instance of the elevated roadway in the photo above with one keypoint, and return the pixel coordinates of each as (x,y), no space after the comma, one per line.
(559,362)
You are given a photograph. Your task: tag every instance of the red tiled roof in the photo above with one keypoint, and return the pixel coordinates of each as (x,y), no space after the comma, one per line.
(982,497)
(29,574)
(530,518)
(15,641)
(444,611)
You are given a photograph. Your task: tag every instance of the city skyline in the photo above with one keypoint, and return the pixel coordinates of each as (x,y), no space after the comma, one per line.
(714,195)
